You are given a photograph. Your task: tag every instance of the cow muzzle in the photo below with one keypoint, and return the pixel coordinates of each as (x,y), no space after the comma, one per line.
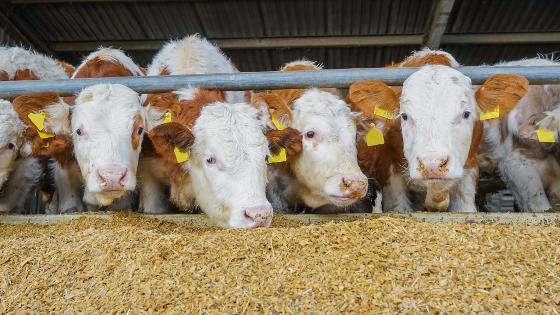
(433,166)
(112,178)
(260,216)
(350,188)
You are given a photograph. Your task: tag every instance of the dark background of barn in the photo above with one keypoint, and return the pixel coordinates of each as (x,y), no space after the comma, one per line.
(260,35)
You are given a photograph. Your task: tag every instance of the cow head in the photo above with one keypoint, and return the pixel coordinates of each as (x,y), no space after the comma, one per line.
(107,132)
(227,150)
(11,138)
(326,166)
(438,113)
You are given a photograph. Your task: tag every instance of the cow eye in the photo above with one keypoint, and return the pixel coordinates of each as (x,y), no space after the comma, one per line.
(139,131)
(79,132)
(11,146)
(404,116)
(466,114)
(211,160)
(310,134)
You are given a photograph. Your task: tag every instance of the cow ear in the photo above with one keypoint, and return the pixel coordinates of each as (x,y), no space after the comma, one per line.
(276,106)
(374,99)
(288,138)
(170,137)
(501,92)
(56,111)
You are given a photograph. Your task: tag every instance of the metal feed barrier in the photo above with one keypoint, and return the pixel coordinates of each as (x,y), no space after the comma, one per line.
(340,78)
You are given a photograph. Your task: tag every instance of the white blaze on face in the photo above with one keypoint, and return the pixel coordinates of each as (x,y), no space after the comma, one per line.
(11,133)
(227,166)
(107,124)
(327,167)
(438,113)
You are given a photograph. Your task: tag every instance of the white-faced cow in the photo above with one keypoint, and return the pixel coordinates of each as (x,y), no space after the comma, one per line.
(94,138)
(210,151)
(525,144)
(19,172)
(432,146)
(321,167)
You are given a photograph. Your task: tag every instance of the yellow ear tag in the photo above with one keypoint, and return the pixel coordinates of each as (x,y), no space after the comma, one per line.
(277,123)
(277,158)
(38,119)
(545,135)
(374,136)
(167,117)
(495,113)
(383,112)
(45,145)
(181,155)
(45,135)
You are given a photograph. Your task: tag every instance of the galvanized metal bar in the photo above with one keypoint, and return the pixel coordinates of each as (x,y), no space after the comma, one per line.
(340,78)
(438,23)
(200,220)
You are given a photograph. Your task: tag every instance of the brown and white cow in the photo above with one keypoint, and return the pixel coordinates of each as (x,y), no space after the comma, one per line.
(19,172)
(321,167)
(432,146)
(210,150)
(528,162)
(96,139)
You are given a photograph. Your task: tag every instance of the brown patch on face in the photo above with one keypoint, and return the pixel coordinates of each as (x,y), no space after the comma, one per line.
(25,74)
(68,68)
(300,67)
(288,138)
(4,76)
(137,133)
(478,132)
(164,71)
(503,90)
(428,59)
(99,68)
(365,96)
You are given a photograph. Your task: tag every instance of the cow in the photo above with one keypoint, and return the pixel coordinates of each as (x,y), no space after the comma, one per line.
(94,138)
(431,130)
(20,173)
(525,144)
(205,145)
(321,167)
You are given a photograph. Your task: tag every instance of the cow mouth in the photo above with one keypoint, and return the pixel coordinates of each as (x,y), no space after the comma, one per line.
(341,201)
(106,198)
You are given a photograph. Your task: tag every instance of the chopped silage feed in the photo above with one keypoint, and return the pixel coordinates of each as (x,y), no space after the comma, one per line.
(133,264)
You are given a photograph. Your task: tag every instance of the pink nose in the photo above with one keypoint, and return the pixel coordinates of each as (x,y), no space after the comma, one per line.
(258,216)
(112,178)
(433,166)
(354,187)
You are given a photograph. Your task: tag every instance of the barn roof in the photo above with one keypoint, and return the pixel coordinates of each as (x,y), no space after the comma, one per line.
(263,34)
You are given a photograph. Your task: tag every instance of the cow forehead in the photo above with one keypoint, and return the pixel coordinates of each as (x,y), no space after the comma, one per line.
(10,124)
(106,103)
(437,86)
(324,108)
(232,131)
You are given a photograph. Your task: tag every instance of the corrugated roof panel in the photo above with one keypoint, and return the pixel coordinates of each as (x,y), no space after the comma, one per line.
(280,57)
(367,57)
(475,55)
(233,19)
(167,20)
(78,22)
(504,16)
(294,17)
(249,60)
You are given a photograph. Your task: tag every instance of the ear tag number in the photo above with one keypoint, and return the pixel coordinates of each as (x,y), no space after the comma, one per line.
(38,120)
(277,123)
(181,155)
(374,136)
(383,112)
(277,158)
(495,113)
(545,135)
(167,117)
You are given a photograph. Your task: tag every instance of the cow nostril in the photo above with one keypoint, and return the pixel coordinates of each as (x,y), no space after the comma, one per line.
(248,216)
(123,176)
